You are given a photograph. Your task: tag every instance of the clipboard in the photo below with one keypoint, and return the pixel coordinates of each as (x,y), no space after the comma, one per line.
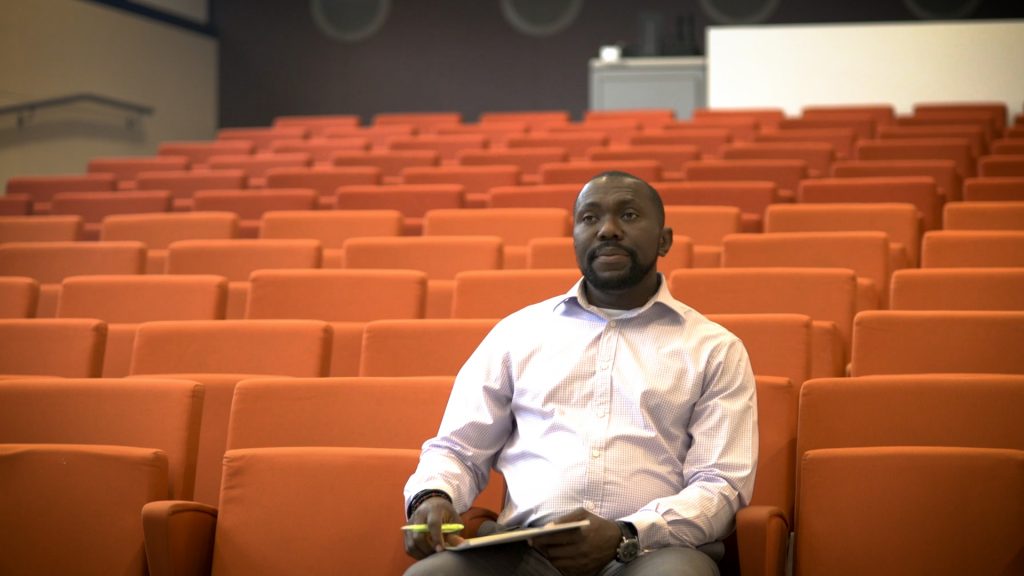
(516,535)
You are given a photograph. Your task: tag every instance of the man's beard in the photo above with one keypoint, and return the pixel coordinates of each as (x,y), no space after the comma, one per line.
(633,276)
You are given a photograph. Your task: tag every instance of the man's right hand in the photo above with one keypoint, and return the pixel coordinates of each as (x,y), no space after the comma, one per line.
(433,512)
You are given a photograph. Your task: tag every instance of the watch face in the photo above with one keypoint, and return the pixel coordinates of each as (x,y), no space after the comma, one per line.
(628,550)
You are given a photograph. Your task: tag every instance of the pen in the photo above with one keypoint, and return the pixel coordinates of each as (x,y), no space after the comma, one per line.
(445,528)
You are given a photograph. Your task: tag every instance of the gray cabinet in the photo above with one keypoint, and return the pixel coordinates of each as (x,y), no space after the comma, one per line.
(662,82)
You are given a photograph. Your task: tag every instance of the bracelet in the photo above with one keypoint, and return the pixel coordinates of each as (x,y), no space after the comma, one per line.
(422,496)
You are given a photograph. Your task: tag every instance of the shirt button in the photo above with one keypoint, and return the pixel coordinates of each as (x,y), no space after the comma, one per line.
(588,505)
(600,413)
(603,365)
(612,323)
(596,453)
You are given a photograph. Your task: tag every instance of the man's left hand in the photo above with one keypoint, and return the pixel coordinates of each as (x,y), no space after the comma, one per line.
(584,551)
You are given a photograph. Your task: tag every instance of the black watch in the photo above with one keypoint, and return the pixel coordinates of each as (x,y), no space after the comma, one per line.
(629,547)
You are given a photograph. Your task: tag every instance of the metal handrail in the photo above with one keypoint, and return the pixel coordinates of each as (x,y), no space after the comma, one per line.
(26,110)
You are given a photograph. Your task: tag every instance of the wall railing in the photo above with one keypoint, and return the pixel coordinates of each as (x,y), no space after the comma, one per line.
(26,111)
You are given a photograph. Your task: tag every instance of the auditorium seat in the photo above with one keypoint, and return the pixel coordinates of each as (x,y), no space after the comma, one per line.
(345,298)
(618,131)
(62,228)
(515,226)
(390,162)
(579,172)
(63,347)
(534,196)
(251,205)
(983,216)
(441,257)
(50,263)
(842,139)
(127,168)
(183,184)
(411,200)
(706,227)
(262,136)
(290,510)
(256,165)
(125,301)
(863,127)
(1001,166)
(497,133)
(818,155)
(917,190)
(640,114)
(498,293)
(975,134)
(330,227)
(766,117)
(575,144)
(994,113)
(866,253)
(93,207)
(235,259)
(19,296)
(15,205)
(828,296)
(422,347)
(958,289)
(752,198)
(315,123)
(447,146)
(740,129)
(42,188)
(1007,146)
(378,135)
(158,230)
(319,149)
(947,179)
(220,353)
(709,141)
(956,149)
(535,119)
(421,120)
(199,151)
(528,160)
(559,253)
(477,181)
(994,188)
(972,248)
(882,114)
(785,174)
(670,158)
(898,221)
(325,180)
(918,342)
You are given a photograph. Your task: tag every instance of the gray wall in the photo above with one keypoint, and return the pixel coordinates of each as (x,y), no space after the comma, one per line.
(453,54)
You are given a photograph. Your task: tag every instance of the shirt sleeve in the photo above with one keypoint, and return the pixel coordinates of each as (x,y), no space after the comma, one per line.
(476,424)
(720,465)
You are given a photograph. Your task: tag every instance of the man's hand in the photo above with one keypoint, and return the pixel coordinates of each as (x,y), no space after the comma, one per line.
(584,551)
(433,512)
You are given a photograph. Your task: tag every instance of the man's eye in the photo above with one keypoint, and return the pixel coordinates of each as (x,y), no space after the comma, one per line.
(629,216)
(588,219)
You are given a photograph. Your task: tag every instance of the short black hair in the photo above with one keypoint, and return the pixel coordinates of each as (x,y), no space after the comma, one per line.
(659,206)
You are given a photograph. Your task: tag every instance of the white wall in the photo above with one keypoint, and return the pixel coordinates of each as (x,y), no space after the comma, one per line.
(51,48)
(791,66)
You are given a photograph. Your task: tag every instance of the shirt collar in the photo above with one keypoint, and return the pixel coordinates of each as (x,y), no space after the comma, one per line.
(577,297)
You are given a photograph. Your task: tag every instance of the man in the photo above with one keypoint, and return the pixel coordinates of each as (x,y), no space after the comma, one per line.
(613,403)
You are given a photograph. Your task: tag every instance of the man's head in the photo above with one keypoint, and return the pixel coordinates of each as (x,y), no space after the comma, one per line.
(619,233)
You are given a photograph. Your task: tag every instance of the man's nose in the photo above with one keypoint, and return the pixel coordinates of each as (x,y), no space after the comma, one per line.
(609,229)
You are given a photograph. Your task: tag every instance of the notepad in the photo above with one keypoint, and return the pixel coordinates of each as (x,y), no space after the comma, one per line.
(517,535)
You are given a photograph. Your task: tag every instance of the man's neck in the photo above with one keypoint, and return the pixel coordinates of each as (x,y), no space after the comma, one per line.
(626,298)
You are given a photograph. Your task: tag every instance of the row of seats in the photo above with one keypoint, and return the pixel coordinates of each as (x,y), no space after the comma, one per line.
(303,447)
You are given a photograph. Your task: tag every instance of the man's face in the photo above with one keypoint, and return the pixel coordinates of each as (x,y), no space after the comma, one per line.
(617,233)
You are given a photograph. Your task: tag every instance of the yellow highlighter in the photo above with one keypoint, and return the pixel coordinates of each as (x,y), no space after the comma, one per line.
(445,528)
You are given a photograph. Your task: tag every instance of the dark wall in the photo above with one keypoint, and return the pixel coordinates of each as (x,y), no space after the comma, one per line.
(458,55)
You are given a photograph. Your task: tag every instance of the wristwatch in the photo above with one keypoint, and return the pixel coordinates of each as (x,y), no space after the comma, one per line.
(629,548)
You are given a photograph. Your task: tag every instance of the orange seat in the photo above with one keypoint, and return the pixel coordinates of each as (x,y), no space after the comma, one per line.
(917,190)
(220,353)
(533,118)
(539,196)
(752,198)
(497,133)
(421,120)
(123,302)
(958,289)
(379,136)
(640,114)
(330,227)
(127,168)
(325,180)
(235,259)
(515,226)
(785,174)
(707,140)
(50,263)
(93,207)
(972,248)
(19,296)
(424,347)
(315,123)
(863,127)
(993,188)
(918,342)
(818,155)
(983,216)
(528,160)
(411,200)
(183,184)
(975,134)
(320,150)
(947,179)
(1001,166)
(199,151)
(581,172)
(706,227)
(670,158)
(898,221)
(448,146)
(956,149)
(65,347)
(498,293)
(842,139)
(575,144)
(250,205)
(158,230)
(261,137)
(256,165)
(441,257)
(63,228)
(881,113)
(477,181)
(618,131)
(766,117)
(42,188)
(390,162)
(994,113)
(740,129)
(1007,146)
(15,205)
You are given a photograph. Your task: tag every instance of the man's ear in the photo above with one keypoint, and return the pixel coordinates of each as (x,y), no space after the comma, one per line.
(664,241)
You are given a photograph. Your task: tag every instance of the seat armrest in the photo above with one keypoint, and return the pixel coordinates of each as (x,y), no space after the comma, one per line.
(179,537)
(762,535)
